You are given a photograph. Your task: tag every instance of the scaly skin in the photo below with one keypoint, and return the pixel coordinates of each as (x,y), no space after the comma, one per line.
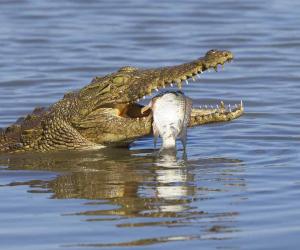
(106,111)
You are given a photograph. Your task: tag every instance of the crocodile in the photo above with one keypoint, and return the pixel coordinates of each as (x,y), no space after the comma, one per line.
(108,111)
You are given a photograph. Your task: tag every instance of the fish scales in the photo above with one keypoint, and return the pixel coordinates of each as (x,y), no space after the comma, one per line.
(171,116)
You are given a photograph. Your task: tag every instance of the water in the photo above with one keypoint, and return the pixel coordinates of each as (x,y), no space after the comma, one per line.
(239,187)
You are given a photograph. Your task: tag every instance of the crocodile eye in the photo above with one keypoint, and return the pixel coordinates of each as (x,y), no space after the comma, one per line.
(120,80)
(212,52)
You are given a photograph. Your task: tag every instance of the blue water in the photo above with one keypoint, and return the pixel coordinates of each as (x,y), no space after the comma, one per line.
(240,185)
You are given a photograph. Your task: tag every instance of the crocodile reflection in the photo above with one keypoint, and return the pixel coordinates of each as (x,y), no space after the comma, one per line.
(136,183)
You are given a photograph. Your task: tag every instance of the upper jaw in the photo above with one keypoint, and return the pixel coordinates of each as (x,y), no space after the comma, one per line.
(147,81)
(129,84)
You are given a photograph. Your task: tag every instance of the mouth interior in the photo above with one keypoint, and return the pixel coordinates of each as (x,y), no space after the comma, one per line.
(131,110)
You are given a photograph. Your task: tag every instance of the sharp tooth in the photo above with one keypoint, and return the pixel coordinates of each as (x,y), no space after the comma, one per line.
(211,106)
(200,107)
(144,97)
(222,66)
(217,106)
(198,76)
(236,106)
(193,78)
(156,89)
(186,82)
(171,85)
(205,106)
(137,100)
(222,105)
(229,109)
(242,103)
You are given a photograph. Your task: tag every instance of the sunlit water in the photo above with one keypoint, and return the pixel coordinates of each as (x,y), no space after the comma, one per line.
(239,186)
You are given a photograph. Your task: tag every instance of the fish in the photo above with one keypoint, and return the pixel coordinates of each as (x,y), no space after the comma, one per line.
(171,112)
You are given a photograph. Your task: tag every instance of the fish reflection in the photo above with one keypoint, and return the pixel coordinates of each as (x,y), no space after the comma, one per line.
(173,181)
(138,185)
(163,188)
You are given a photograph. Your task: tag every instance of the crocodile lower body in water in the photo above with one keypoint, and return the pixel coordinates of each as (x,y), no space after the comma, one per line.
(107,111)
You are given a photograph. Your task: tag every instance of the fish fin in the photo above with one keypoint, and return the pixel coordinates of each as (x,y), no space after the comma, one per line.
(183,136)
(174,130)
(155,134)
(186,121)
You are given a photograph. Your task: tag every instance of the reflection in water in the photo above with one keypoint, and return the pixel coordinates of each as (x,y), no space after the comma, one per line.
(138,185)
(173,181)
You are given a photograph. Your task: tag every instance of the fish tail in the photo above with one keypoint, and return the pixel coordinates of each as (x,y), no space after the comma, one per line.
(169,142)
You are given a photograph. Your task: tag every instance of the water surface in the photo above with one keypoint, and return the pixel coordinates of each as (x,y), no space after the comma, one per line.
(240,184)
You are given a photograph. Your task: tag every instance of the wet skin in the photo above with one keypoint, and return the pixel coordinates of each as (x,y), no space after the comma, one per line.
(107,112)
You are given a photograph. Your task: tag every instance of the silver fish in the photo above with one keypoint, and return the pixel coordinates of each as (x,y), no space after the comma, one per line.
(171,115)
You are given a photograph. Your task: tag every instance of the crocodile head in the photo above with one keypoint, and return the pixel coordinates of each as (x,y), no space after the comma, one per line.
(110,112)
